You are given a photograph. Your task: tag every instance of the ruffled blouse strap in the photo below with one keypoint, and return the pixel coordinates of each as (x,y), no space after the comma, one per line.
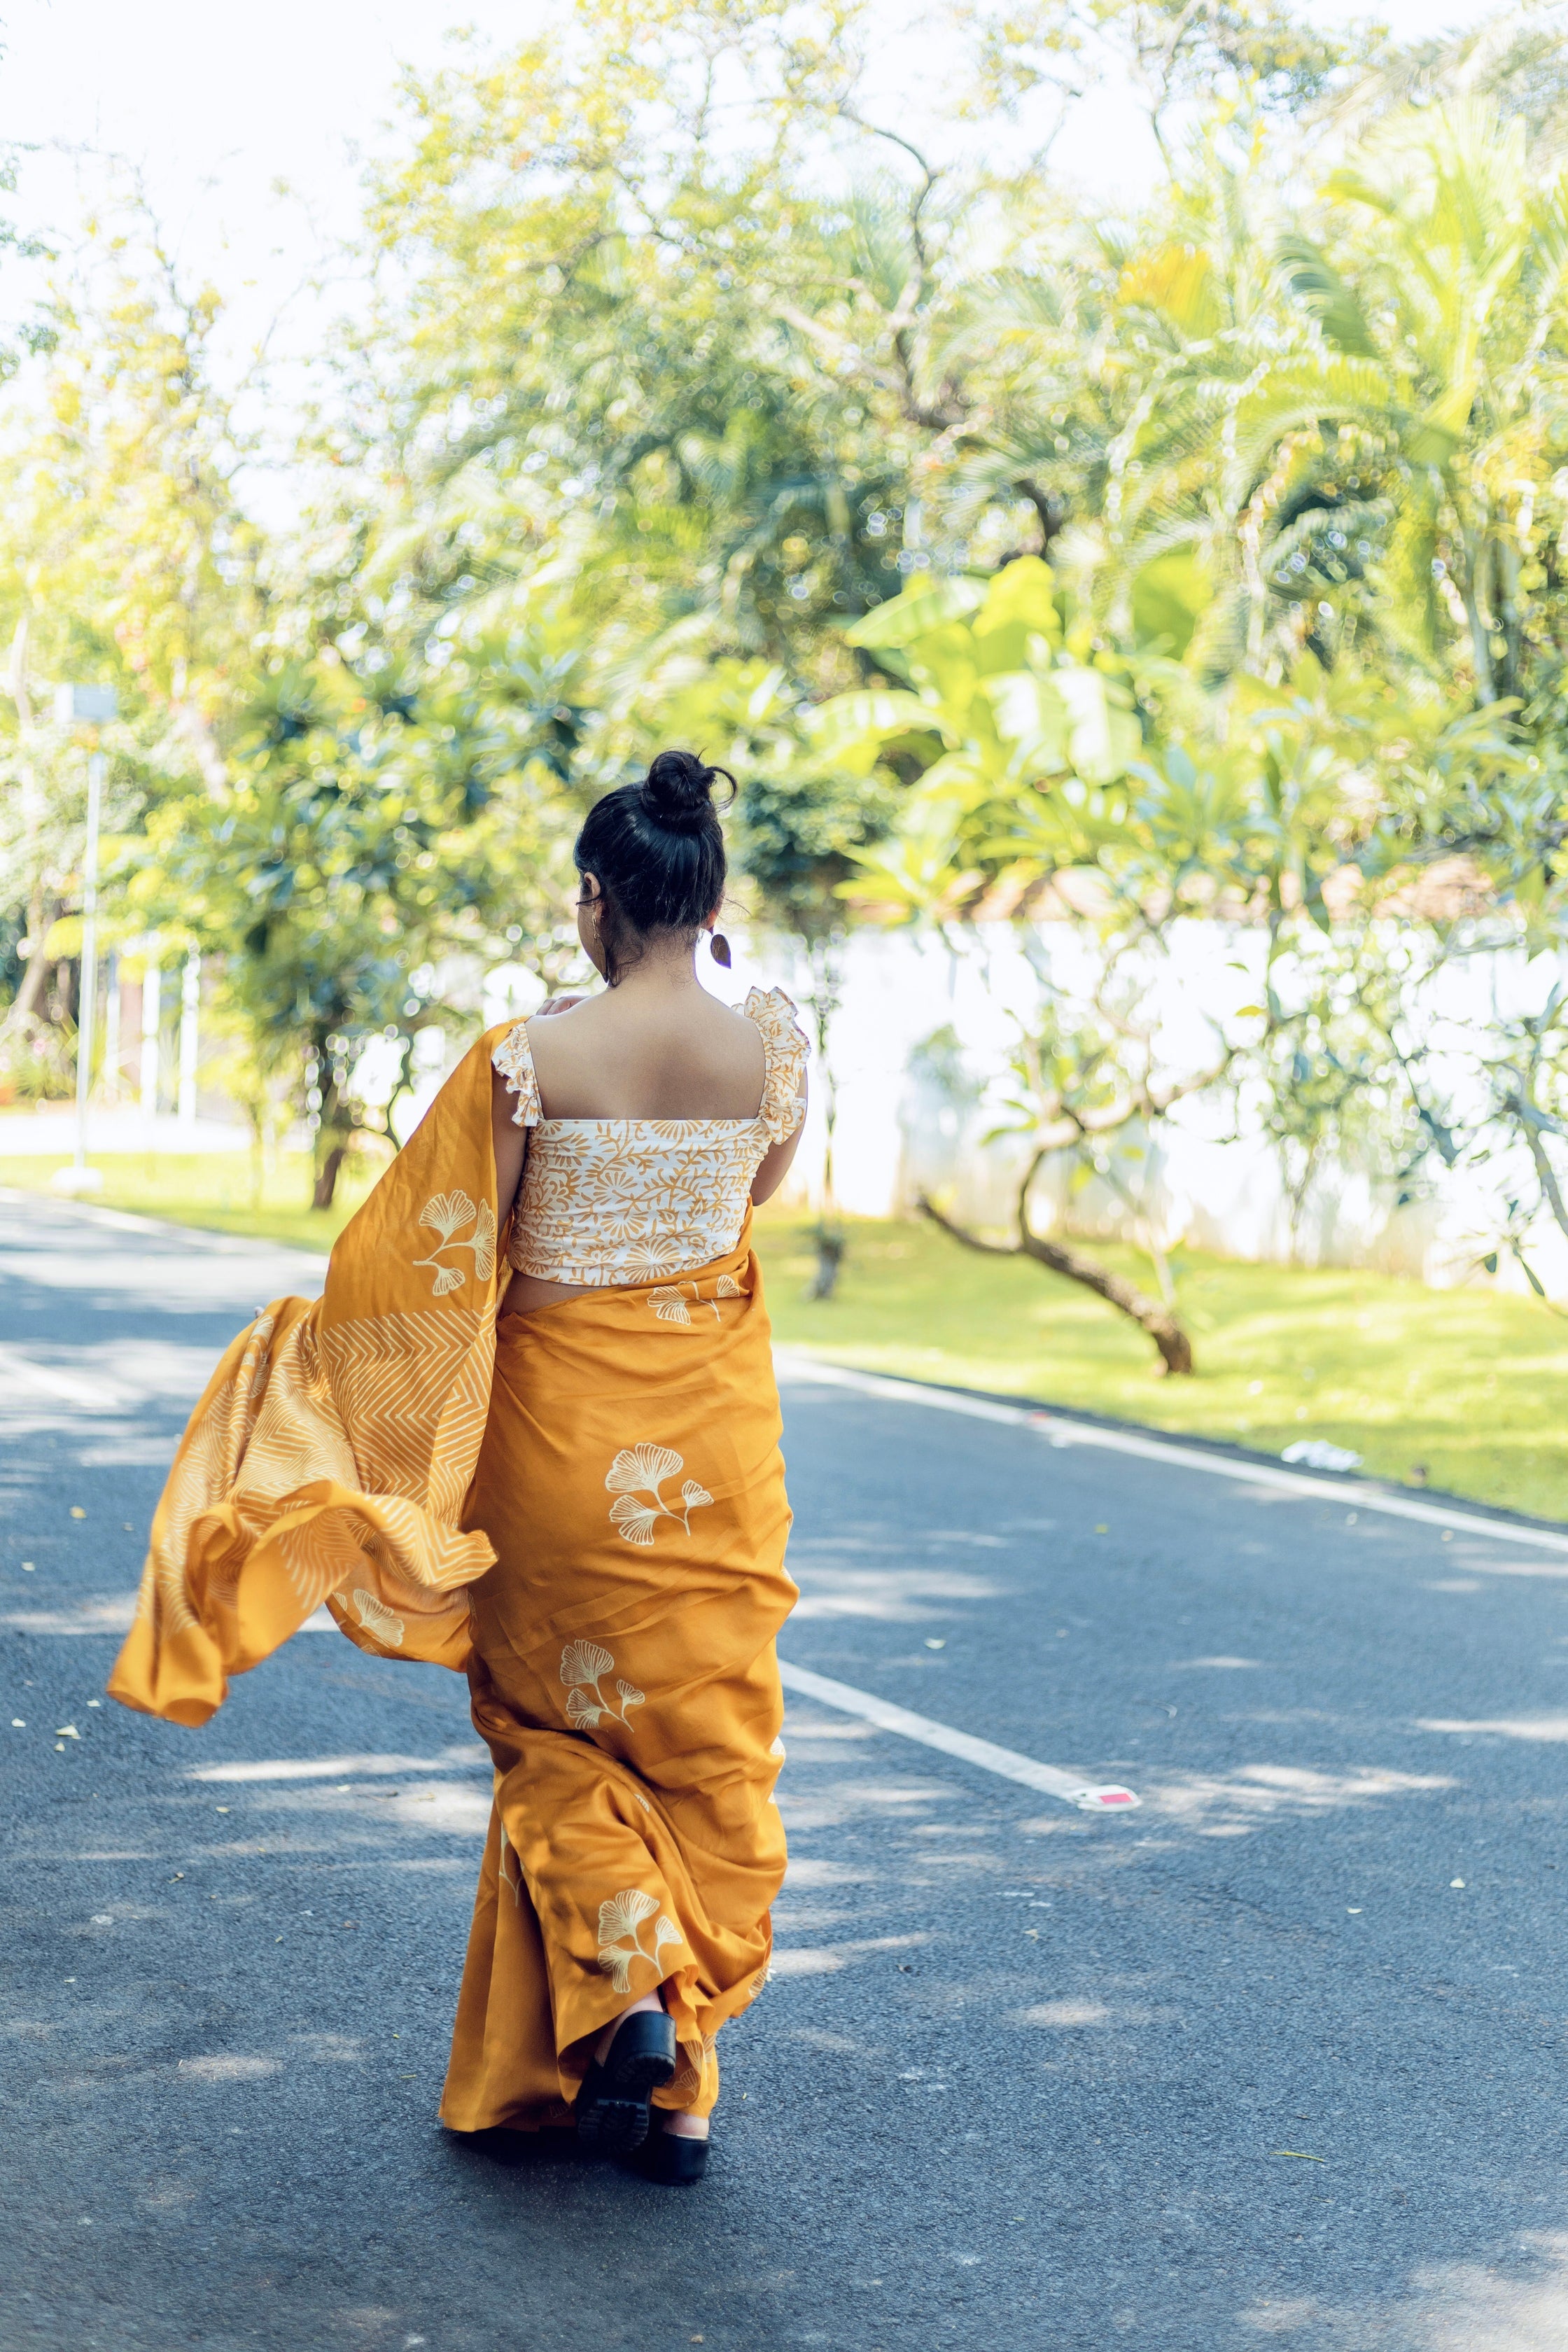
(513,1058)
(785,1051)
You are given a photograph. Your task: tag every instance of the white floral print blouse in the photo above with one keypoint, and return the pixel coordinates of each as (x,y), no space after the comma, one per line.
(610,1200)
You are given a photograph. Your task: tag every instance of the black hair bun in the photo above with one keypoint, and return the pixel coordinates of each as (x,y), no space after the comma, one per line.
(678,793)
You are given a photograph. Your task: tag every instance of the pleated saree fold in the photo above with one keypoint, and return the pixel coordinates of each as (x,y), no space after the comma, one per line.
(582,1509)
(624,1678)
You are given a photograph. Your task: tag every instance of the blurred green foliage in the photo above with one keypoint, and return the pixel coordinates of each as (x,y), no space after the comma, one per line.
(1021,561)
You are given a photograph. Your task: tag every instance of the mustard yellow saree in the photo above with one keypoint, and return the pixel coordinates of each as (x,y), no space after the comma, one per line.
(584,1509)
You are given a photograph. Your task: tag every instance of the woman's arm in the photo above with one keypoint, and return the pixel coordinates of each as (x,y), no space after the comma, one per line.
(510,1146)
(511,1142)
(774,1166)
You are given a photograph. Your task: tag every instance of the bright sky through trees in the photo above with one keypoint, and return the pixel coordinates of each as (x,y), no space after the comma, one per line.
(249,131)
(216,105)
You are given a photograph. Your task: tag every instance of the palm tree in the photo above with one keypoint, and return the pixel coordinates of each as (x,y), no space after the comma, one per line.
(1428,402)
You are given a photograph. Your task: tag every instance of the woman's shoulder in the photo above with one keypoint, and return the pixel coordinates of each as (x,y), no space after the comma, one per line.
(785,1051)
(773,1013)
(512,1058)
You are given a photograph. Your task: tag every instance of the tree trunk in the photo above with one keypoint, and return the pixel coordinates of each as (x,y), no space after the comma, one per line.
(1160,1322)
(28,1004)
(327,1176)
(1296,1196)
(24,1005)
(1552,1192)
(1050,512)
(827,993)
(830,1246)
(192,724)
(1480,635)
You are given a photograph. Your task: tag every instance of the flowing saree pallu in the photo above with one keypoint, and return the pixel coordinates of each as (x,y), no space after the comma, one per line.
(330,1456)
(624,1678)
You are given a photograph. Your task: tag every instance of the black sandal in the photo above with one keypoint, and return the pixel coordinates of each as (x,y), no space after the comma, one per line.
(672,2158)
(613,2104)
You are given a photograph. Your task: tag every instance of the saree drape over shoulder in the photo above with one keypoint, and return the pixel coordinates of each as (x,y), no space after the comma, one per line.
(584,1509)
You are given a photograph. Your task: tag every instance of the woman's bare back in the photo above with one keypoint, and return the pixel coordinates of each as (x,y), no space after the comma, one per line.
(654,1047)
(648,1054)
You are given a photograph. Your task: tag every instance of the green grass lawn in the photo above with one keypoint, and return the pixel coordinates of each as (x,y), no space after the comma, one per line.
(1466,1385)
(227,1195)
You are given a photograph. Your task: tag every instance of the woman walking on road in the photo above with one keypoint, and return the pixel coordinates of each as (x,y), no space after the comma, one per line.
(559,1474)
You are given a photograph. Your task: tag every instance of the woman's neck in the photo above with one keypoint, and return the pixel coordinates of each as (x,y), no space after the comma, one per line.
(672,972)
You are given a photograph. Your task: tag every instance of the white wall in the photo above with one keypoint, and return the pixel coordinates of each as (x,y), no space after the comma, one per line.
(1200,1184)
(1208,1180)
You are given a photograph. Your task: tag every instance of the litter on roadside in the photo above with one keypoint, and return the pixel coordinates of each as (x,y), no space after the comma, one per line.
(1318,1453)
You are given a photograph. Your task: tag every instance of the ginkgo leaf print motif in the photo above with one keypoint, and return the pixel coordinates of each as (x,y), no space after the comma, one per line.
(445,1216)
(636,1521)
(585,1661)
(644,1261)
(670,1301)
(380,1622)
(694,2071)
(621,1918)
(637,1466)
(584,1666)
(636,1478)
(446,1213)
(622,1915)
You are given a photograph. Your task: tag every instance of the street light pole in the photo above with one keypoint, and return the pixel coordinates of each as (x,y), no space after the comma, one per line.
(94,707)
(87,1000)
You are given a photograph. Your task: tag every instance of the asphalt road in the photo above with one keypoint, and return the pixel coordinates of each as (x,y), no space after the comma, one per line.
(1024,2077)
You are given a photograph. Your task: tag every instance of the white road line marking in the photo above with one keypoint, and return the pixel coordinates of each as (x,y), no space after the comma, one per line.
(1070,1787)
(1058,1430)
